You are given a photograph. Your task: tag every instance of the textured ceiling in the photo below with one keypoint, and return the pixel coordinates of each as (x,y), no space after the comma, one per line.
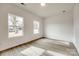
(48,10)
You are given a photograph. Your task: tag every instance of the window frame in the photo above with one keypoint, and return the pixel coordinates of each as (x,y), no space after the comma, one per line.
(19,28)
(36,27)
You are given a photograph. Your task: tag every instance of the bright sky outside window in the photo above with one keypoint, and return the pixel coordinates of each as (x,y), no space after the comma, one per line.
(36,27)
(15,26)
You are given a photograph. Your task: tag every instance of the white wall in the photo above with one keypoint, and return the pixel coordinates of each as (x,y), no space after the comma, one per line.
(5,42)
(76,26)
(60,26)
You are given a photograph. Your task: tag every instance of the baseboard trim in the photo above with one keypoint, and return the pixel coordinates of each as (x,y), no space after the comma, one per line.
(58,40)
(21,44)
(66,41)
(75,48)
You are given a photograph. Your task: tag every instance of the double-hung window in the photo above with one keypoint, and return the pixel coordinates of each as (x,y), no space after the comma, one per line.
(36,26)
(15,25)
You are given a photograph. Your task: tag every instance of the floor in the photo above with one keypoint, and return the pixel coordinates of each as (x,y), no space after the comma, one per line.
(51,47)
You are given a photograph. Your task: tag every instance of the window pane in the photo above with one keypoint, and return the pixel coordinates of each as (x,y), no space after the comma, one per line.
(36,27)
(15,26)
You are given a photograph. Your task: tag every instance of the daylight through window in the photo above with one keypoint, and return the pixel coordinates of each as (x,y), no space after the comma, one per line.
(15,26)
(36,27)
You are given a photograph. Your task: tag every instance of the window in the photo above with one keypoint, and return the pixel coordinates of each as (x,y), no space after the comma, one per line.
(15,26)
(36,27)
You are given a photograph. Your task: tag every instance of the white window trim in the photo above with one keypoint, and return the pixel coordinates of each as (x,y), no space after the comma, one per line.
(20,33)
(36,31)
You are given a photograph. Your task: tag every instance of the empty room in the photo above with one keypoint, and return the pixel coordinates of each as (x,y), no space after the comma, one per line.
(39,29)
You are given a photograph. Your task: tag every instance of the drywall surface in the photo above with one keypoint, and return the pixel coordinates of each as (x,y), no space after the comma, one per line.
(6,42)
(59,26)
(76,26)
